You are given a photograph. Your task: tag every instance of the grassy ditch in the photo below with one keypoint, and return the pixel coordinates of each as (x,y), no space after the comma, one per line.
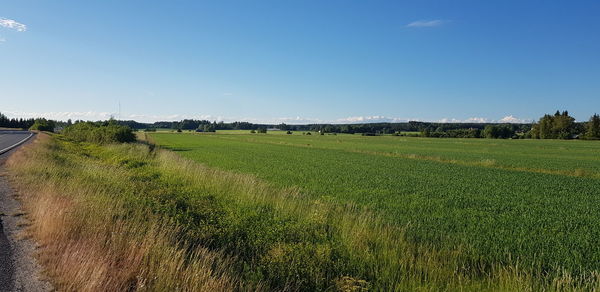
(125,217)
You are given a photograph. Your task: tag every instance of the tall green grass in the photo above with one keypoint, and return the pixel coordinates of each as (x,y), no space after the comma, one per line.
(151,220)
(543,221)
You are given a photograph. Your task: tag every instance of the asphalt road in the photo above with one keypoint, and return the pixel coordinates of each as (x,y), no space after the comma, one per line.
(10,138)
(7,140)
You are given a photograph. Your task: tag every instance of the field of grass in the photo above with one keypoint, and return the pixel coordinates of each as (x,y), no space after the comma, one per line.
(527,203)
(301,213)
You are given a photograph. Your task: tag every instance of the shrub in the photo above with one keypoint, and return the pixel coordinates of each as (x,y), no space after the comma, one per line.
(99,133)
(43,125)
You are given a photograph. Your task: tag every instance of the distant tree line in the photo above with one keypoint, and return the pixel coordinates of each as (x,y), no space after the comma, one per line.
(5,122)
(558,126)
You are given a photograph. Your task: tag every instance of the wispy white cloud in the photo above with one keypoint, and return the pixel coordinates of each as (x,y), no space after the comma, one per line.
(96,116)
(370,119)
(507,119)
(514,120)
(9,23)
(426,23)
(469,120)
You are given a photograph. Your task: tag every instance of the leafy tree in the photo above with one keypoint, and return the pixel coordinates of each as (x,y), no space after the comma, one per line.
(498,131)
(43,125)
(5,122)
(209,128)
(593,127)
(557,126)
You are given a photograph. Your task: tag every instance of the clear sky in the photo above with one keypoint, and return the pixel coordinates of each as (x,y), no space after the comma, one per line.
(300,61)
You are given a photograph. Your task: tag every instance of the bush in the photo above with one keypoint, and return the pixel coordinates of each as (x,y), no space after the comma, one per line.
(43,125)
(289,132)
(498,131)
(99,133)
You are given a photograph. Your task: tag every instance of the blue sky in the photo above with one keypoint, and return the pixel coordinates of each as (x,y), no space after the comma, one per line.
(300,61)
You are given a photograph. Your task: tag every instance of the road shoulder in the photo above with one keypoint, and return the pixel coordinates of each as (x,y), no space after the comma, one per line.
(26,272)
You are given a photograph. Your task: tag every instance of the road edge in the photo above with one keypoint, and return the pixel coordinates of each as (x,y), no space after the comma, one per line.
(27,271)
(2,151)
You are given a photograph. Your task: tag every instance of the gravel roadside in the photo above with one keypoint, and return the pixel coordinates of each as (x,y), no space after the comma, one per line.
(19,271)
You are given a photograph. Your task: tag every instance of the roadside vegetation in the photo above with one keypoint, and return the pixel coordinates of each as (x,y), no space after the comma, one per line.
(99,132)
(127,216)
(43,125)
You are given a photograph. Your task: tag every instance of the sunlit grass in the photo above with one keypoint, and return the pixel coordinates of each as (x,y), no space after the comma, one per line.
(125,217)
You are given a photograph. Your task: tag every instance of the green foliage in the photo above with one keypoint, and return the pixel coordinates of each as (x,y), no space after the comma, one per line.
(102,133)
(557,126)
(593,127)
(5,122)
(498,131)
(208,128)
(43,125)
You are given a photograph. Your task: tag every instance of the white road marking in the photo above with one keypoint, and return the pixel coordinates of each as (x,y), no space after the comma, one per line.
(16,144)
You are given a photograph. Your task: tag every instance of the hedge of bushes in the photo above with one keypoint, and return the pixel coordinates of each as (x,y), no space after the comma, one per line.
(101,133)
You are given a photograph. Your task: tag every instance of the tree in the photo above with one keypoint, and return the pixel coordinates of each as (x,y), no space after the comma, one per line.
(210,128)
(564,126)
(557,126)
(498,131)
(43,125)
(593,127)
(545,127)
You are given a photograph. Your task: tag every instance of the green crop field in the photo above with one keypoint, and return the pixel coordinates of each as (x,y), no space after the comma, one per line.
(528,203)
